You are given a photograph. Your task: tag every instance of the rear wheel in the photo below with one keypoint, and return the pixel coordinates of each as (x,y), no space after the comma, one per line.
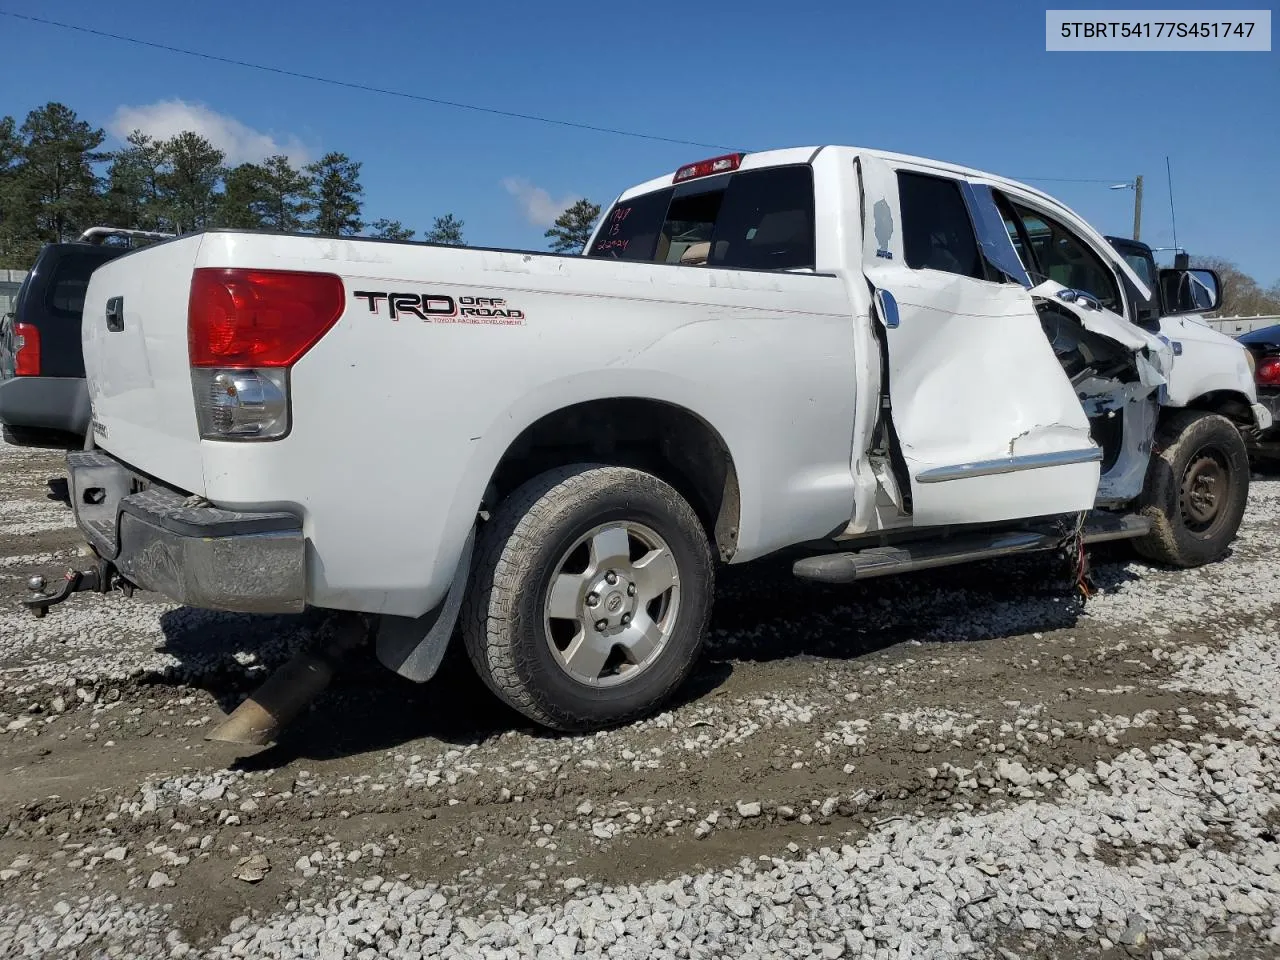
(590,595)
(1196,489)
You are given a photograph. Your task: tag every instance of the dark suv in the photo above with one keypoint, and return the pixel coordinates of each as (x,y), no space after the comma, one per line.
(42,388)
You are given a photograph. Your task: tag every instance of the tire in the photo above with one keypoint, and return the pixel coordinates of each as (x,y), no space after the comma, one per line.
(1196,489)
(565,529)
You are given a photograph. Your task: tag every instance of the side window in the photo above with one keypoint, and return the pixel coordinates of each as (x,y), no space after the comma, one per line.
(936,231)
(1061,256)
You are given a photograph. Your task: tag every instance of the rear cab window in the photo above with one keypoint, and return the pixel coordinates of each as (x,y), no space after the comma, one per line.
(746,220)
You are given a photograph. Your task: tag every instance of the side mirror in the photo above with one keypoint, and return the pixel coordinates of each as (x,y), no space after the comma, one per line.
(1189,291)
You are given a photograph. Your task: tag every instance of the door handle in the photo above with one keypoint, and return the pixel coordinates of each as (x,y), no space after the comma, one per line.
(115,314)
(887,307)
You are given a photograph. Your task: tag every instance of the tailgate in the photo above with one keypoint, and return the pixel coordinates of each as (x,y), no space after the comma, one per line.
(135,355)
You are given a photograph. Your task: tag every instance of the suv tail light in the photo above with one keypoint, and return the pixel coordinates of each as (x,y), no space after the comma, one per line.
(245,329)
(26,342)
(1267,373)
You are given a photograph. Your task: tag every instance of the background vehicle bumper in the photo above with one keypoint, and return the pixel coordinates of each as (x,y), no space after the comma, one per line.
(197,555)
(45,403)
(1265,442)
(1266,412)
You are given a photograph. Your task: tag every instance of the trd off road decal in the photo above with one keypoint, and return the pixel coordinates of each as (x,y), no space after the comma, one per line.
(442,308)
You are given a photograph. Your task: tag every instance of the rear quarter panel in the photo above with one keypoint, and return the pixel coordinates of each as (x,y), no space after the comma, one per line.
(398,424)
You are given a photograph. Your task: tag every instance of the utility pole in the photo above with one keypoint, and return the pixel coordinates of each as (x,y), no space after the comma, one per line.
(1137,206)
(1136,186)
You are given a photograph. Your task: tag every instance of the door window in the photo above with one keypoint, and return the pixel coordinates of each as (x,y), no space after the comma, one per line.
(936,231)
(1058,254)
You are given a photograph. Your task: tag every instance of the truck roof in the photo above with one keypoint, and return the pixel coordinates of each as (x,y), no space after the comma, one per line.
(792,155)
(798,155)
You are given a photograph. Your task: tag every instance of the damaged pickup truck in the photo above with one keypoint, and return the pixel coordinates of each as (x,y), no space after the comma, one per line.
(879,363)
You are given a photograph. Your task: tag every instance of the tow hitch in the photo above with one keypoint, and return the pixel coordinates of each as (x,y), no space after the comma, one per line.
(101,578)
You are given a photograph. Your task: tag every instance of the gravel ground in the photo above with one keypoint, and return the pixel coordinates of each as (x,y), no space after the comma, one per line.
(964,763)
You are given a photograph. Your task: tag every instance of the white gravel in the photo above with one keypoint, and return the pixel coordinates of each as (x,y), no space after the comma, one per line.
(944,887)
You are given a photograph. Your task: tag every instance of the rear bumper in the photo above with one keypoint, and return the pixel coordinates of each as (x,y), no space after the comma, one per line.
(201,556)
(45,403)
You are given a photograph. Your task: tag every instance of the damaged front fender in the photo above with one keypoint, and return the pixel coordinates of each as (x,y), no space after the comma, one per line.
(1098,319)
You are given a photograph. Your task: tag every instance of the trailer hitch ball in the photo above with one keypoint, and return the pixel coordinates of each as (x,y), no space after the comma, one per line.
(99,579)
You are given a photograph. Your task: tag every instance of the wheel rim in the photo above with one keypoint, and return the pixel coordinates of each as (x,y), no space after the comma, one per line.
(1204,492)
(612,603)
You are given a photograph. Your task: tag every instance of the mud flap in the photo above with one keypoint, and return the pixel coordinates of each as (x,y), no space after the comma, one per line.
(414,646)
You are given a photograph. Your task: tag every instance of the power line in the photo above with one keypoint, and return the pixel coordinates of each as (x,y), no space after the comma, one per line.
(367,88)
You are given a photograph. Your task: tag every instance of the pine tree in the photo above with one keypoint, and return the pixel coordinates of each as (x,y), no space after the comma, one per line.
(336,195)
(446,230)
(384,229)
(189,183)
(132,197)
(286,203)
(244,195)
(573,227)
(54,187)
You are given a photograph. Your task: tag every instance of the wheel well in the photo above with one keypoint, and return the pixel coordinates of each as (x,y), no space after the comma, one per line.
(670,442)
(1230,404)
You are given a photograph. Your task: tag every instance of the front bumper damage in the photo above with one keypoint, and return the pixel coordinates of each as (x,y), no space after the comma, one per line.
(158,539)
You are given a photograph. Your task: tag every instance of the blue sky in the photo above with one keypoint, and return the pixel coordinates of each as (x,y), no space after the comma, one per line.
(966,83)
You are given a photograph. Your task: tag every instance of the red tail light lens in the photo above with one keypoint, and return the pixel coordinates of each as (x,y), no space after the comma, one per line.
(1268,372)
(259,318)
(26,340)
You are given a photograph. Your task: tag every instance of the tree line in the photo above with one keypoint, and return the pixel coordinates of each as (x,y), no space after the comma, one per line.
(56,180)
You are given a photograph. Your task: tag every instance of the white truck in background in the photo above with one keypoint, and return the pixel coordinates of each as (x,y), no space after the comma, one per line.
(882,362)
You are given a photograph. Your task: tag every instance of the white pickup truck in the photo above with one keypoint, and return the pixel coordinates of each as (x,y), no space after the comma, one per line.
(882,362)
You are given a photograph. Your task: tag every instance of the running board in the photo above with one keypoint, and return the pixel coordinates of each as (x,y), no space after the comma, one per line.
(925,555)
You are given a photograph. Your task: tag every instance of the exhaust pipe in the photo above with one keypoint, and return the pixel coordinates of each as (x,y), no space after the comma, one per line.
(288,691)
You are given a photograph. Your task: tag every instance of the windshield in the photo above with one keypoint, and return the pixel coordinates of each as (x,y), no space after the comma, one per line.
(753,220)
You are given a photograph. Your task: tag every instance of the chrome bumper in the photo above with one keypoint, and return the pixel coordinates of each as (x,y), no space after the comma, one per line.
(201,556)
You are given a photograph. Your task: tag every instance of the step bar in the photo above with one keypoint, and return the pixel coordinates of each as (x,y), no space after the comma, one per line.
(848,566)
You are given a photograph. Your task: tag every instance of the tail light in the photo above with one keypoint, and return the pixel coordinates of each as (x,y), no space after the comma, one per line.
(1267,373)
(245,329)
(705,168)
(26,342)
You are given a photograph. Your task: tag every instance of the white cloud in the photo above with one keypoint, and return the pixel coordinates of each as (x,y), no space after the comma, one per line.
(241,143)
(536,203)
